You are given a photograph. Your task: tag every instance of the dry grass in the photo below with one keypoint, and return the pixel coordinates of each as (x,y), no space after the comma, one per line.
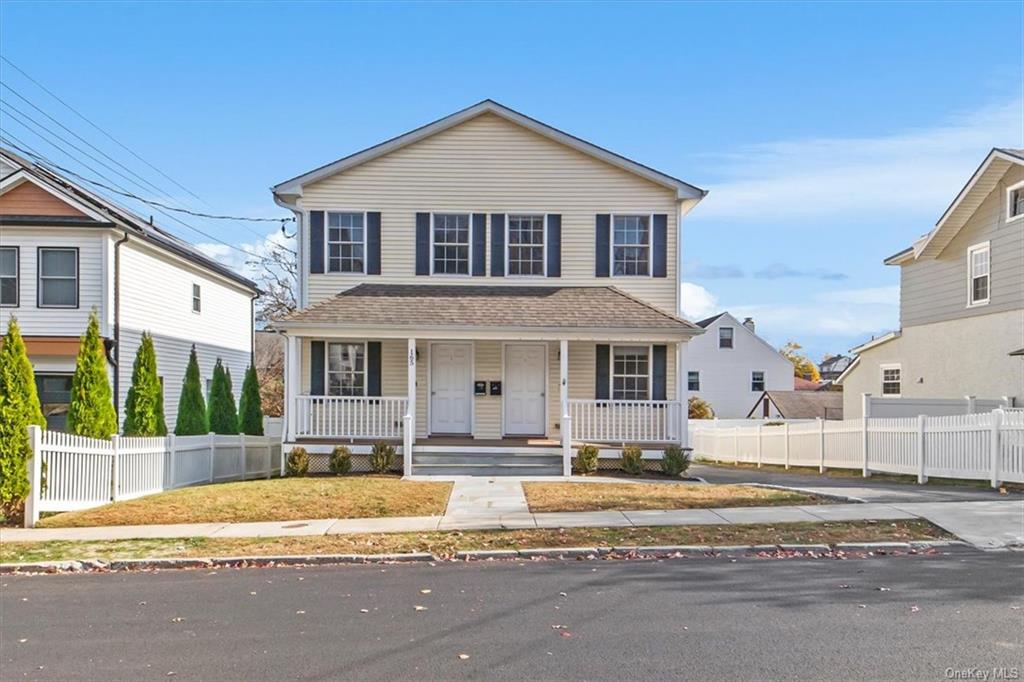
(281,499)
(856,473)
(571,497)
(445,544)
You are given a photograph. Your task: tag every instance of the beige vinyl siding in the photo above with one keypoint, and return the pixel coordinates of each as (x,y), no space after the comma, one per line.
(936,290)
(489,165)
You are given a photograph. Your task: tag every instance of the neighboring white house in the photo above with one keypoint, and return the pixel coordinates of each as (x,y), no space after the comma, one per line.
(730,366)
(961,301)
(486,275)
(65,251)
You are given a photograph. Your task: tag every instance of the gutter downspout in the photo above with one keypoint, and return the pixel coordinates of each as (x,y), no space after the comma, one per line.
(117,323)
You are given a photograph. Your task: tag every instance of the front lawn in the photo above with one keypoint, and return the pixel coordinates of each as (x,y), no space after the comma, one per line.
(280,499)
(445,544)
(572,497)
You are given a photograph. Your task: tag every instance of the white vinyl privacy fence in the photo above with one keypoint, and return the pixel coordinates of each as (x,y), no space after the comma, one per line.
(69,472)
(973,446)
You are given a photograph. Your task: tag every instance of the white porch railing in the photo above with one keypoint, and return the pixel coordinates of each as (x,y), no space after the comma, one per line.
(330,416)
(625,421)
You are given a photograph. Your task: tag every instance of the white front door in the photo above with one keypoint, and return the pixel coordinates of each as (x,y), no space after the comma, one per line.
(524,392)
(451,366)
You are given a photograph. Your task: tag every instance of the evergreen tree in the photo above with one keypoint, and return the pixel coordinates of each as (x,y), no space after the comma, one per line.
(221,412)
(92,405)
(19,407)
(250,409)
(144,407)
(192,419)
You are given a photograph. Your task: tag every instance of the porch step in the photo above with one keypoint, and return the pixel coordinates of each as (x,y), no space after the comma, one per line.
(485,464)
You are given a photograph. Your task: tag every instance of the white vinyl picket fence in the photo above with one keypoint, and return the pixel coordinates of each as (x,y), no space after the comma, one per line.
(69,472)
(972,446)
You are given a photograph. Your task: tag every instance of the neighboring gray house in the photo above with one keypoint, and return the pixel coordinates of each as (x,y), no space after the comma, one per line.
(961,300)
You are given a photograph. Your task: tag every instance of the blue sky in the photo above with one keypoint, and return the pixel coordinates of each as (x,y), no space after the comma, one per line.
(830,135)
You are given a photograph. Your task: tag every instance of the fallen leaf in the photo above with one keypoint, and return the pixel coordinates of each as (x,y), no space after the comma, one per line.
(565,633)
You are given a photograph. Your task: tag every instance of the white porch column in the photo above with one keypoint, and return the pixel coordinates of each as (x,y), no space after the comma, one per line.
(682,395)
(292,372)
(563,392)
(409,419)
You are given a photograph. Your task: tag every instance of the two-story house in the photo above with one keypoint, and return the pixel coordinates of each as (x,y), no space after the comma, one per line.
(65,251)
(730,366)
(961,301)
(472,287)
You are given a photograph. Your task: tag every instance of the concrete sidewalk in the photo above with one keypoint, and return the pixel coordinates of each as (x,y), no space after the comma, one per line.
(987,524)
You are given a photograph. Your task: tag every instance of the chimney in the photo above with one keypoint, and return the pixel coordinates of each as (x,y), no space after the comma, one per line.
(749,324)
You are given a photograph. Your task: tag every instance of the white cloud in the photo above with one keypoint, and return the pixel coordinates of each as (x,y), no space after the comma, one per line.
(237,259)
(917,171)
(696,301)
(846,312)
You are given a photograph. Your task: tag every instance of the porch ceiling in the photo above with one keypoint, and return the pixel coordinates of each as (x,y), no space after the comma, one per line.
(481,311)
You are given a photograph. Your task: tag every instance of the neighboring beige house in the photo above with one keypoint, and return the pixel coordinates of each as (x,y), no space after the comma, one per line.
(485,279)
(961,301)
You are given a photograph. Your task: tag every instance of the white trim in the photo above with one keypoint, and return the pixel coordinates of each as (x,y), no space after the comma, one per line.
(504,385)
(884,338)
(1009,193)
(327,243)
(544,244)
(650,243)
(650,370)
(881,376)
(605,335)
(847,371)
(469,245)
(22,175)
(983,247)
(294,185)
(469,388)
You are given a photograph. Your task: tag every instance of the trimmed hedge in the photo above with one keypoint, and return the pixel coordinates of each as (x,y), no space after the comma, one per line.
(341,460)
(297,463)
(586,459)
(675,461)
(632,460)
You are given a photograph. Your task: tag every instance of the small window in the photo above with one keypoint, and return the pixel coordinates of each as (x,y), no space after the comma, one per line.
(58,278)
(725,337)
(757,381)
(979,267)
(197,298)
(450,237)
(630,373)
(631,245)
(526,245)
(693,381)
(346,369)
(9,276)
(346,243)
(891,380)
(1015,202)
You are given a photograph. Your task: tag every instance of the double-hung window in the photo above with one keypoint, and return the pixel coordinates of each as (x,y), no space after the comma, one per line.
(346,369)
(58,278)
(693,381)
(979,264)
(346,242)
(526,245)
(757,381)
(630,372)
(9,276)
(197,298)
(1015,202)
(450,237)
(891,380)
(631,245)
(725,337)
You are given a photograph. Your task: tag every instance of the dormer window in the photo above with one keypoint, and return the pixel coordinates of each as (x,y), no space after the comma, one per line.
(346,242)
(1015,202)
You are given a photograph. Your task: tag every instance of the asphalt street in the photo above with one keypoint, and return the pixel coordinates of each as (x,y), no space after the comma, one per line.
(906,617)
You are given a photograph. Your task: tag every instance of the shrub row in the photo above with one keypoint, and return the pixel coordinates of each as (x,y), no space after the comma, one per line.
(674,460)
(382,459)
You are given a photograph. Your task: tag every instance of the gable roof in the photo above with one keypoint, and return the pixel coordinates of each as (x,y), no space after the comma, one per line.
(803,404)
(492,306)
(99,211)
(982,182)
(294,185)
(707,321)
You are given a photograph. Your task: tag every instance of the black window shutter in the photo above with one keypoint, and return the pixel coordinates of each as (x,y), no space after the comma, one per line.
(554,244)
(373,243)
(603,242)
(660,372)
(497,245)
(602,382)
(317,357)
(422,243)
(316,241)
(479,244)
(373,368)
(659,261)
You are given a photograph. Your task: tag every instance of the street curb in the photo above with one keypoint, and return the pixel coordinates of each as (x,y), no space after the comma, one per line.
(658,551)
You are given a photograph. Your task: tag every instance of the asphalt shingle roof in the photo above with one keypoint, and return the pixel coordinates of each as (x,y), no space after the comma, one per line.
(807,404)
(433,305)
